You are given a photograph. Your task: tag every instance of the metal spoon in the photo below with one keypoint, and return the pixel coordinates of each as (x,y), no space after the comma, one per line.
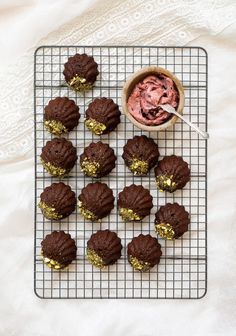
(170,109)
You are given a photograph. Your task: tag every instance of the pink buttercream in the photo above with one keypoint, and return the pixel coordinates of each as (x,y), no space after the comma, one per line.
(148,94)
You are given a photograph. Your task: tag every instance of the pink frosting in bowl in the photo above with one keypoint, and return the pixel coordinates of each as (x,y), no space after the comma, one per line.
(147,94)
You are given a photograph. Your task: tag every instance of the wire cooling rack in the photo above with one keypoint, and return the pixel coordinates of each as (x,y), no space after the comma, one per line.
(182,272)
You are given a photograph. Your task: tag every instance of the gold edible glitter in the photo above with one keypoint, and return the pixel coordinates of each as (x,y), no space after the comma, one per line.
(49,212)
(90,168)
(164,182)
(53,170)
(139,167)
(95,126)
(52,263)
(139,265)
(129,215)
(78,83)
(165,230)
(55,127)
(86,213)
(94,258)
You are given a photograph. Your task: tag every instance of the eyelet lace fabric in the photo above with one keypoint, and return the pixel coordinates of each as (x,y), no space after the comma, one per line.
(163,22)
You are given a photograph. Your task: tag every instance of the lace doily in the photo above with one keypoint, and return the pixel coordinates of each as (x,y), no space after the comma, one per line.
(163,22)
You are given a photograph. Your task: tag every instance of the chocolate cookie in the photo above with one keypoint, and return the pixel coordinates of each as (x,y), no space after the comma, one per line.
(144,252)
(135,202)
(172,221)
(58,157)
(57,201)
(97,160)
(102,116)
(80,72)
(140,154)
(103,248)
(96,201)
(172,173)
(58,250)
(61,115)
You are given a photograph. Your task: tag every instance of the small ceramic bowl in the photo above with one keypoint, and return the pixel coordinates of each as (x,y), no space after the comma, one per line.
(136,78)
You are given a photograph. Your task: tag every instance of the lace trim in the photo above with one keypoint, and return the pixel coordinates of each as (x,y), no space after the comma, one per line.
(102,24)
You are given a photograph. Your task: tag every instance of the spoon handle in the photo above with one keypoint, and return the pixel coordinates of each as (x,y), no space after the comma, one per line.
(205,135)
(170,109)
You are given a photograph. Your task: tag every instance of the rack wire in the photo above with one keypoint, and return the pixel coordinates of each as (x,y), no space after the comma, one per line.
(182,272)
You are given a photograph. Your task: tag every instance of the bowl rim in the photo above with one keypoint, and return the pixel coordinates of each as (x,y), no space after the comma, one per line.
(134,79)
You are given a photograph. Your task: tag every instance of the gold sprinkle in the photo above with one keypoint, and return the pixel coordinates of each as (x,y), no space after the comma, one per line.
(90,168)
(94,259)
(51,263)
(139,167)
(164,182)
(95,126)
(49,212)
(129,215)
(139,265)
(78,83)
(86,213)
(53,170)
(165,231)
(55,127)
(168,182)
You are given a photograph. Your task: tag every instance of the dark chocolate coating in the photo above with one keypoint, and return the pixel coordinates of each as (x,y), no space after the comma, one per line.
(107,245)
(64,110)
(145,248)
(83,66)
(61,197)
(175,215)
(101,153)
(136,198)
(60,247)
(143,149)
(104,111)
(97,198)
(173,166)
(60,153)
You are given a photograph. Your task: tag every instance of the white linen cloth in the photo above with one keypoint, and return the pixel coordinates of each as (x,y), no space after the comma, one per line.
(27,24)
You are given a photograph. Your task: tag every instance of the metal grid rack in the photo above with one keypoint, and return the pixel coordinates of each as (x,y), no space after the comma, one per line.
(182,270)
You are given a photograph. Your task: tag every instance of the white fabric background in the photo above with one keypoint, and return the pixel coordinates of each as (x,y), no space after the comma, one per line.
(28,23)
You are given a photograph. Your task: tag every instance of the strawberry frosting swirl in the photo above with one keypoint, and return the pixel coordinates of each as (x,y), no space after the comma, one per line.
(148,94)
